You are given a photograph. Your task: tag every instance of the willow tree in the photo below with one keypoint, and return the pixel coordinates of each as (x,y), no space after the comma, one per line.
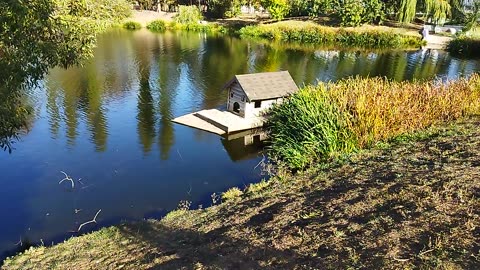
(407,11)
(436,10)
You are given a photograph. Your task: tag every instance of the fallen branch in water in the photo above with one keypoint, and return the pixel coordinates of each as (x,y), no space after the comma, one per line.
(67,178)
(94,220)
(262,162)
(19,243)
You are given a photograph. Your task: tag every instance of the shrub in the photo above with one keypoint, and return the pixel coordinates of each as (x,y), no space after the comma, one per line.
(337,118)
(351,12)
(278,9)
(358,12)
(131,25)
(113,10)
(188,15)
(232,194)
(157,26)
(464,46)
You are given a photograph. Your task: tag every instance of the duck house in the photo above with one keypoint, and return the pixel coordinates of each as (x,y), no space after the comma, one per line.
(249,96)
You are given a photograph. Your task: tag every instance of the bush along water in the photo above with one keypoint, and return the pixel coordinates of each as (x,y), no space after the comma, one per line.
(157,26)
(317,34)
(131,25)
(332,119)
(465,46)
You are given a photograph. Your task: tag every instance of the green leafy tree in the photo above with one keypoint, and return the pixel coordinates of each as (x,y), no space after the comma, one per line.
(351,12)
(299,8)
(357,12)
(320,7)
(38,35)
(224,8)
(188,14)
(278,9)
(29,38)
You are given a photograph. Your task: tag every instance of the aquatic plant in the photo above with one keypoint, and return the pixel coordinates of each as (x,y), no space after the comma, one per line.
(157,26)
(337,118)
(131,25)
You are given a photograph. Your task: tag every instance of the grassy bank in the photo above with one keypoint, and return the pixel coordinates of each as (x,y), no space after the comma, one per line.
(333,119)
(308,32)
(409,204)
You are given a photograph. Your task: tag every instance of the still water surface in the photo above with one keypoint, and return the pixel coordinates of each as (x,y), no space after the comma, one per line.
(109,123)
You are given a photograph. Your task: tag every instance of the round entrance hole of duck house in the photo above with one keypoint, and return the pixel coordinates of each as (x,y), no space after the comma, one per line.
(236,107)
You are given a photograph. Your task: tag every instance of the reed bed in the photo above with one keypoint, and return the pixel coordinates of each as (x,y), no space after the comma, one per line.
(465,46)
(161,25)
(332,119)
(317,34)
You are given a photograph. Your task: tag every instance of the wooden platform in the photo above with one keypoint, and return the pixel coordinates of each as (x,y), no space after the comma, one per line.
(219,122)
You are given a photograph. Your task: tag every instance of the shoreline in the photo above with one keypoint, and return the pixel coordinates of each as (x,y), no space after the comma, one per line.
(313,218)
(292,31)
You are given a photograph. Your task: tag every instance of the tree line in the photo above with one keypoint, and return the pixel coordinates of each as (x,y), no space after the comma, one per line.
(348,12)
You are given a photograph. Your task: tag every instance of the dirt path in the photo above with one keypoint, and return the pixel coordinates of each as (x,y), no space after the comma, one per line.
(437,42)
(146,16)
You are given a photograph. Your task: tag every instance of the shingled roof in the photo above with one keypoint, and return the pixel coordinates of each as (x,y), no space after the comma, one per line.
(266,85)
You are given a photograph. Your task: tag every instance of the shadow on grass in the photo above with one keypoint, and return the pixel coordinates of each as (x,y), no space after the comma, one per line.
(168,248)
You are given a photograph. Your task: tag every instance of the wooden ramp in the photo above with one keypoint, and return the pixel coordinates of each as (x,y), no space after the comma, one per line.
(219,122)
(190,120)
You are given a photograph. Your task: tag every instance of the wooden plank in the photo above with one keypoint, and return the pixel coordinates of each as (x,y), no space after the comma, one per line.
(191,120)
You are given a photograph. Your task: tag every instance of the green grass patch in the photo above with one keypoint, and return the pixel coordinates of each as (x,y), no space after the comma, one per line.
(232,194)
(131,25)
(258,188)
(307,32)
(333,119)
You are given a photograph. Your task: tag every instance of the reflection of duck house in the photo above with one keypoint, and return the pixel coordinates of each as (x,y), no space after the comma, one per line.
(249,96)
(245,144)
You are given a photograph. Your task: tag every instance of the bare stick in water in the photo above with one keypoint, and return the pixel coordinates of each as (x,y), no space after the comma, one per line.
(262,162)
(19,243)
(67,178)
(94,220)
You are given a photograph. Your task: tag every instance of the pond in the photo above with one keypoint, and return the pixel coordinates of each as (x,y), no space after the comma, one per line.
(108,123)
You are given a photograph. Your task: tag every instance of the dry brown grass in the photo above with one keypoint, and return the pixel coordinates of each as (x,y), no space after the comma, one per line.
(380,109)
(331,119)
